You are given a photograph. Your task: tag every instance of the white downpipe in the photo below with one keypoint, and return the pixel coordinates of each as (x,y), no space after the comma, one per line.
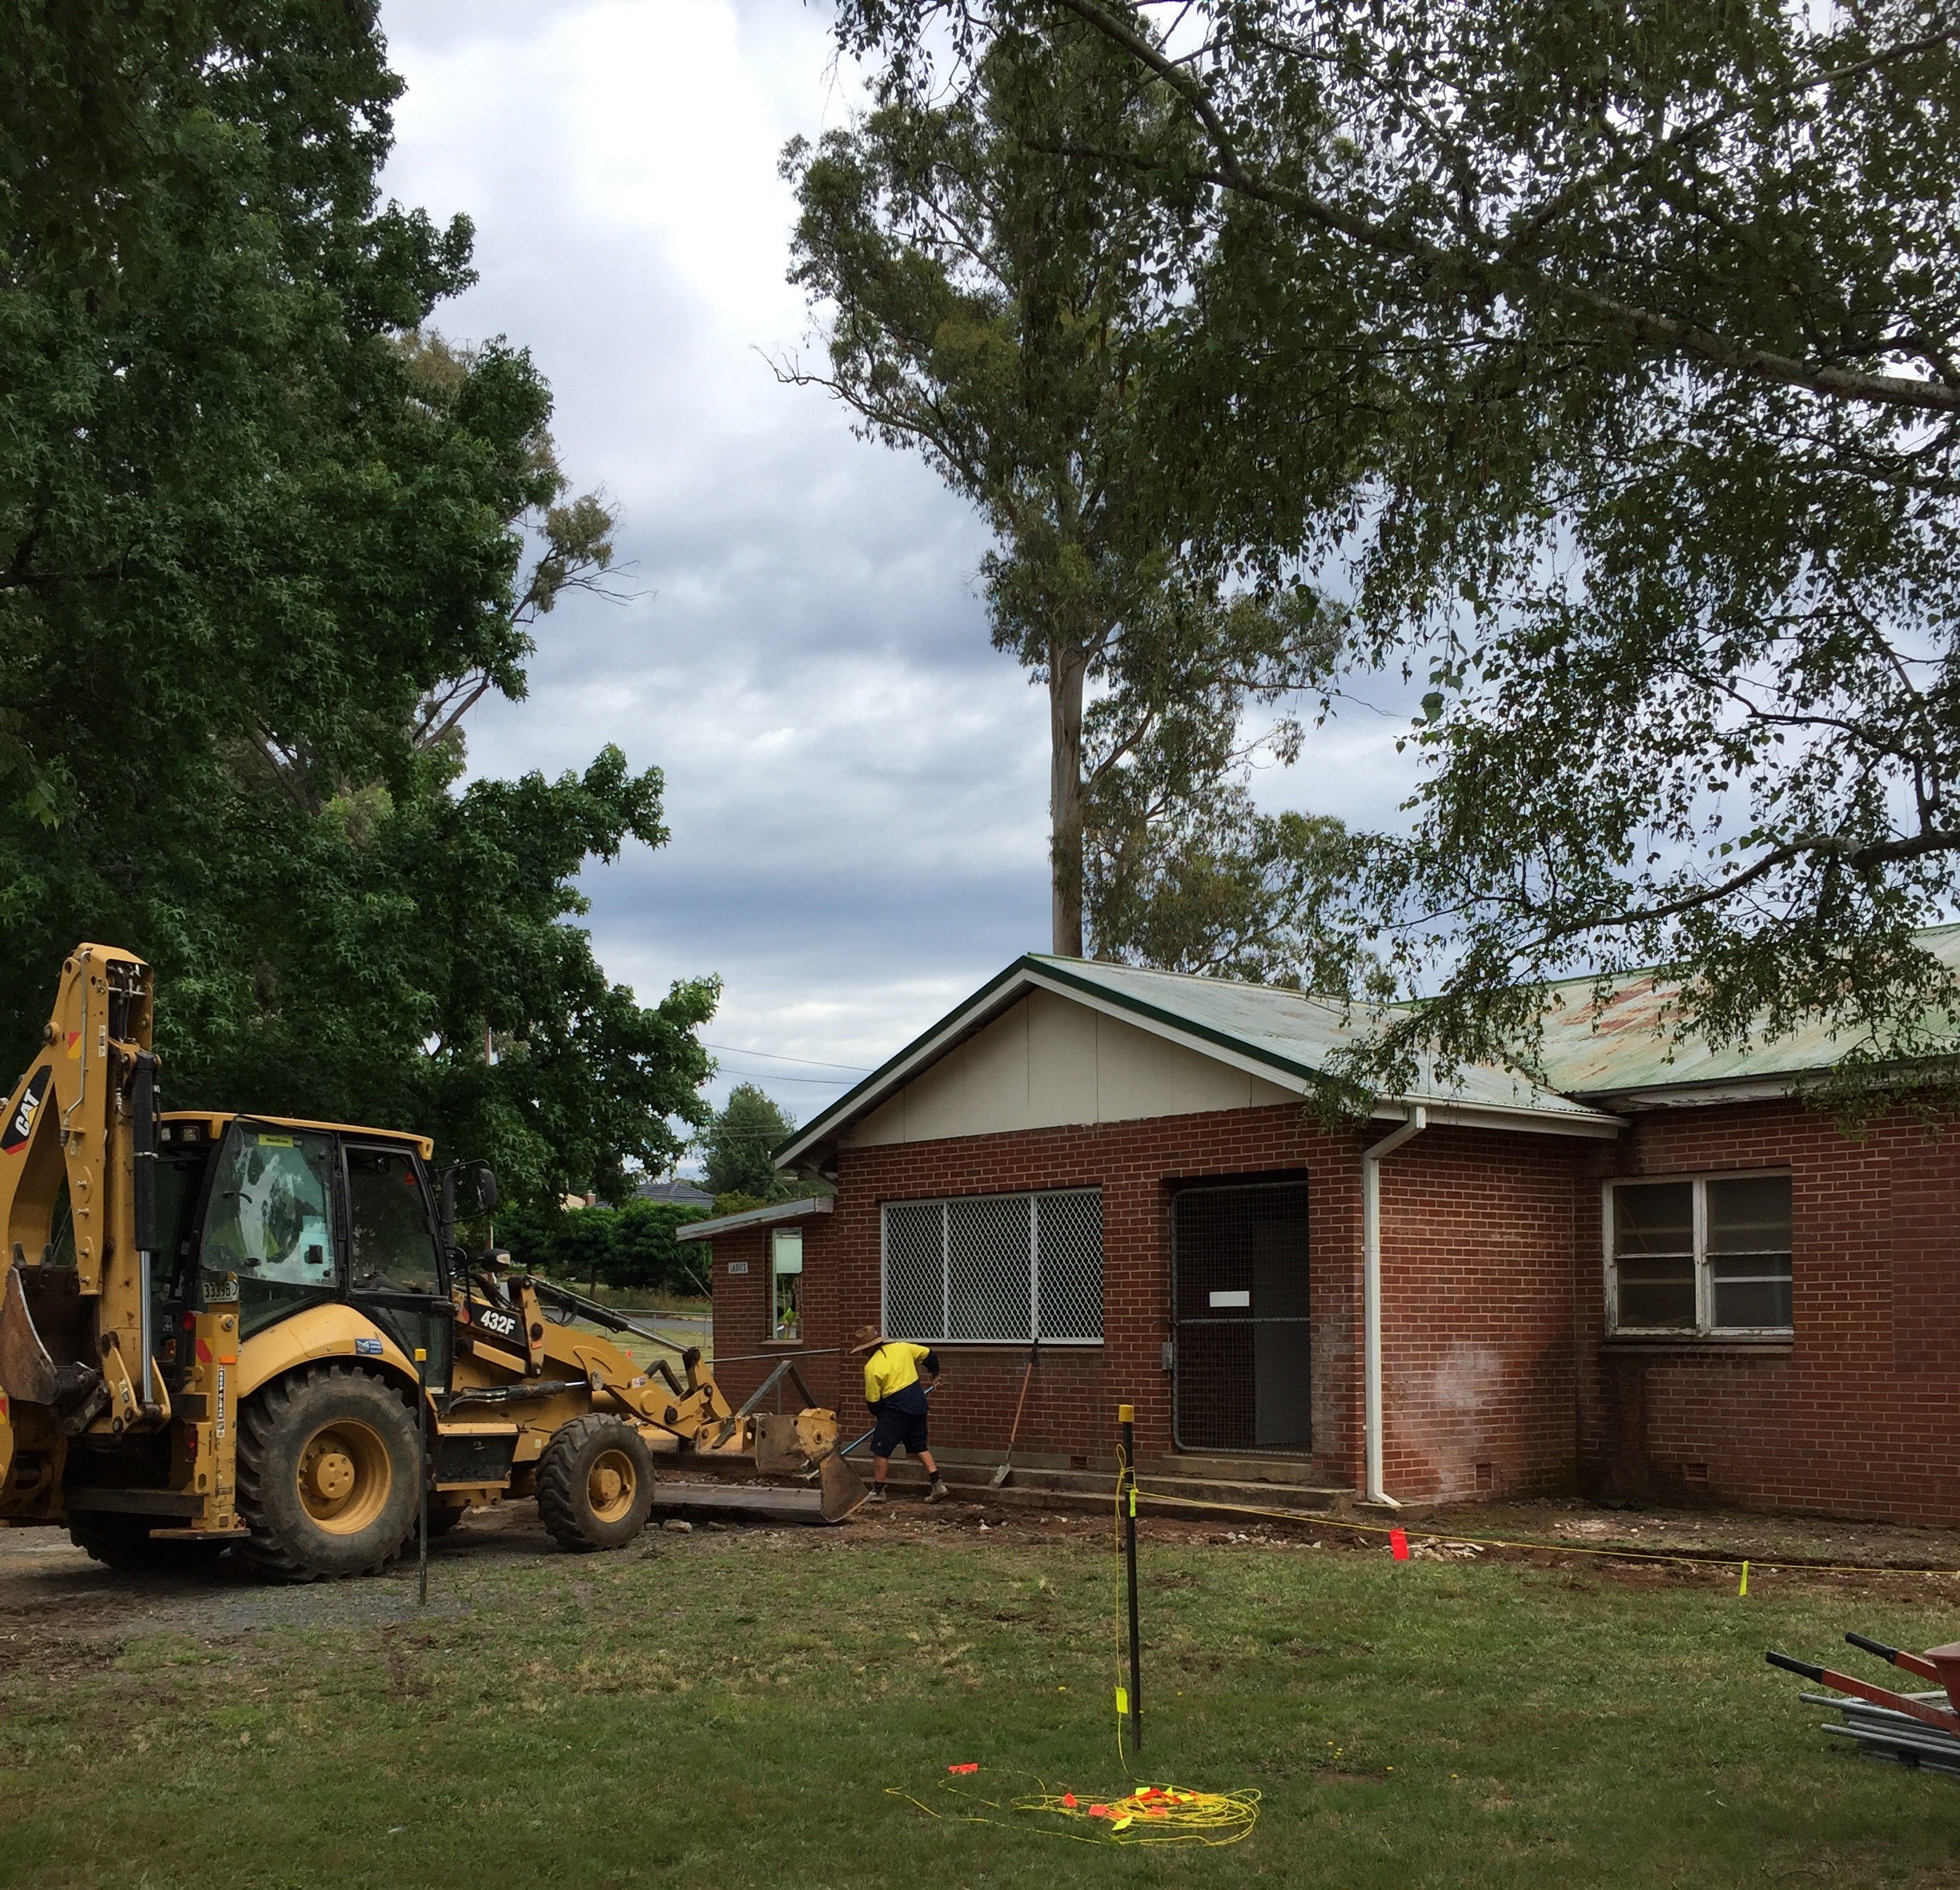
(1371,1298)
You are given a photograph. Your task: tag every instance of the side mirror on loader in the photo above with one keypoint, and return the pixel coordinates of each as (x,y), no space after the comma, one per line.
(484,1180)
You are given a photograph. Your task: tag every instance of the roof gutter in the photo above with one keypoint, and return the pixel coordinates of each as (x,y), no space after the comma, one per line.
(1371,1300)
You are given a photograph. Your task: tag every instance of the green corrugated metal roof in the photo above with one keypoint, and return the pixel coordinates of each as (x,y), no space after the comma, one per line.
(1616,1049)
(1292,1038)
(1290,1030)
(1624,1045)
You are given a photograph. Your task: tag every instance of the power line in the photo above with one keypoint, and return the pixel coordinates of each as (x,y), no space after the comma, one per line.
(814,1062)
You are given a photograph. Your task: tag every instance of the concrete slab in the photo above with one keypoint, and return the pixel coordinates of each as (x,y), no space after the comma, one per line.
(768,1502)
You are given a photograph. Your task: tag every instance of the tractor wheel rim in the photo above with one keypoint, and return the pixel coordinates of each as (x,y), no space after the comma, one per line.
(611,1485)
(346,1476)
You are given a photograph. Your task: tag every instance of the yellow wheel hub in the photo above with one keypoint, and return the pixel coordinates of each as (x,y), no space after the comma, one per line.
(611,1485)
(345,1475)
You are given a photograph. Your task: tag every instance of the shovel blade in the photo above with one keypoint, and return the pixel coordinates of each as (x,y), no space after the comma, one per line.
(844,1490)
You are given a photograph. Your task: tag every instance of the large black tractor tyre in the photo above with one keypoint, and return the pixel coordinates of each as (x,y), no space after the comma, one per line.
(328,1463)
(595,1483)
(123,1543)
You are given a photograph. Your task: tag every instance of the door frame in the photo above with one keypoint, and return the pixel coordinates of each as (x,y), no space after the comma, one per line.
(438,1307)
(1230,1185)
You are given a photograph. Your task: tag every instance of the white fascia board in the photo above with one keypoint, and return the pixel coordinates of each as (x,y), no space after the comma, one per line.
(801,1209)
(1594,1126)
(1697,1096)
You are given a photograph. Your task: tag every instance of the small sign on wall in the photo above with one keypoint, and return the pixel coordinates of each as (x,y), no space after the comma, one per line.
(738,1266)
(1240,1301)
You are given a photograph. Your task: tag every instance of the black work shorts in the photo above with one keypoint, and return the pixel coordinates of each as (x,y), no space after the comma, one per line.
(897,1428)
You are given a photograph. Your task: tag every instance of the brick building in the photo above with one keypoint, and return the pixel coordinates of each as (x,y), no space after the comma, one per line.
(1666,1277)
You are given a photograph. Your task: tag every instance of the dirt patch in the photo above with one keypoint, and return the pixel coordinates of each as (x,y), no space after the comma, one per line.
(57,1606)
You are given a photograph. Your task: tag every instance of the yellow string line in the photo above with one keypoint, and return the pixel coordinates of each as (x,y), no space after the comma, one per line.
(1311,1519)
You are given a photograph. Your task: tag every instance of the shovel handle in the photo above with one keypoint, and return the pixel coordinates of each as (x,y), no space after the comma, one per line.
(1027,1372)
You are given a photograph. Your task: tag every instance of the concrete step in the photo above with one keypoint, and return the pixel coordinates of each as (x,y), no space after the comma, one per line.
(1096,1489)
(1072,1493)
(1250,1468)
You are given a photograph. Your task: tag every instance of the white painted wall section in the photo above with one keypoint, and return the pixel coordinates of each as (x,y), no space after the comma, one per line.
(1050,1062)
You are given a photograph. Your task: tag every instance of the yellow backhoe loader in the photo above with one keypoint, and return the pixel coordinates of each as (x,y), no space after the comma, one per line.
(225,1331)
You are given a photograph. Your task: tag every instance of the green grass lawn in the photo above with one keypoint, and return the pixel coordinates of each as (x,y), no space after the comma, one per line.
(728,1709)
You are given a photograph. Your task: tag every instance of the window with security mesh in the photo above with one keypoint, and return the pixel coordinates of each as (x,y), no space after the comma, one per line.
(996,1268)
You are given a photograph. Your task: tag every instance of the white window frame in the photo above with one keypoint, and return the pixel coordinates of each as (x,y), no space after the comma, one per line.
(777,1336)
(1703,1328)
(943,1203)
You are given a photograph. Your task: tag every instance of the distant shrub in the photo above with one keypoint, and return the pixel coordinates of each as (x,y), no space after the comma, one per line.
(634,1246)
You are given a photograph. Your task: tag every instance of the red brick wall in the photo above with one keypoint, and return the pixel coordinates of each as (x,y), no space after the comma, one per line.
(1479,1344)
(1498,1378)
(1071,1405)
(1860,1414)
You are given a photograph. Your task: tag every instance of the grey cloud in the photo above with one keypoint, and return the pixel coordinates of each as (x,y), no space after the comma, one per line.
(856,782)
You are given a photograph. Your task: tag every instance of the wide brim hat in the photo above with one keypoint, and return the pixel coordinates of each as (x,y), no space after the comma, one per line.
(868,1338)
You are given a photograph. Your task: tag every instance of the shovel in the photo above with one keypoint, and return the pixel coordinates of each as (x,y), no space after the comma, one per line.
(845,1492)
(1006,1462)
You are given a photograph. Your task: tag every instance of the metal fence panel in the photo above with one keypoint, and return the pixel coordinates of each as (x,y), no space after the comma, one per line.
(999,1269)
(1069,1263)
(987,1267)
(915,1270)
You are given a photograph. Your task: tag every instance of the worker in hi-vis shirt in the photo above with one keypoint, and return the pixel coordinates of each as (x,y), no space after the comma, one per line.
(898,1401)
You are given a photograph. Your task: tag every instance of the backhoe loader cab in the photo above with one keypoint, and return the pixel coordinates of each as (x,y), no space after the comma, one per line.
(230,1331)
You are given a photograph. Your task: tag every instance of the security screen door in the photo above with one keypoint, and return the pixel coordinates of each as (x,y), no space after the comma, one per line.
(1241,1344)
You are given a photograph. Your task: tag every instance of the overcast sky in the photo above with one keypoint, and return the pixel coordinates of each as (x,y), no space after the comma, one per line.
(856,780)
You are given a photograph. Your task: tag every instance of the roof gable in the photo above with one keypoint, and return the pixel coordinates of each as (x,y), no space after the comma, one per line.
(1281,1039)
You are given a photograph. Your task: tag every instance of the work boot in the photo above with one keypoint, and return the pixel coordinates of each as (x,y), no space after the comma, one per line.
(878,1493)
(938,1493)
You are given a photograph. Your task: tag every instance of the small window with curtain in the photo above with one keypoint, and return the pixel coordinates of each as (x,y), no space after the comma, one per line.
(786,1283)
(1706,1257)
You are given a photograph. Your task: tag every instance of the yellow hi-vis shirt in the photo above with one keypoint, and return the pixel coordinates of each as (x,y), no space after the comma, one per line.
(892,1368)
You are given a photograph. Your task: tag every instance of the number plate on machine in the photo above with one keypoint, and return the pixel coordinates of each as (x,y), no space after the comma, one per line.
(507,1329)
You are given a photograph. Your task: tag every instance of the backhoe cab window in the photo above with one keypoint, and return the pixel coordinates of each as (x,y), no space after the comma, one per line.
(393,1238)
(269,1222)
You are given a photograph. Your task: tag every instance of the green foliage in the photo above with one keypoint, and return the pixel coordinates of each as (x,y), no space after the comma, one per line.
(1001,308)
(264,539)
(1646,322)
(737,1143)
(634,1246)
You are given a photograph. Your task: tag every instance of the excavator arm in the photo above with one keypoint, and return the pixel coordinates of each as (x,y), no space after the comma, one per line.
(78,1214)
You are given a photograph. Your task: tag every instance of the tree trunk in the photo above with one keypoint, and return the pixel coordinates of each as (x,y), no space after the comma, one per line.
(1067,667)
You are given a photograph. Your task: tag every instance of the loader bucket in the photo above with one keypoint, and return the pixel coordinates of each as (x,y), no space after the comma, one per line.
(844,1491)
(790,1441)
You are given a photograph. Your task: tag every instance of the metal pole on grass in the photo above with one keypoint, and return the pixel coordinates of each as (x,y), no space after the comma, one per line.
(1126,1490)
(422,1480)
